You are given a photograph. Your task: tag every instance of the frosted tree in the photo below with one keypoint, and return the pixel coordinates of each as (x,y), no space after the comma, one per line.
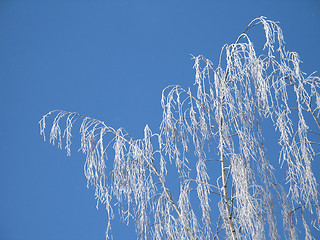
(212,140)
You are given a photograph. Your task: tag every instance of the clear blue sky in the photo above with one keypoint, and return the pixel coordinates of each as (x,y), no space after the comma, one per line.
(109,60)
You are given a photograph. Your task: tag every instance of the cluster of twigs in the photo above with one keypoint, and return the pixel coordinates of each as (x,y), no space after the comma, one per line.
(223,120)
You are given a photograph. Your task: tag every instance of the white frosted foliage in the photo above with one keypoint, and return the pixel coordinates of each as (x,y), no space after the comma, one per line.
(212,135)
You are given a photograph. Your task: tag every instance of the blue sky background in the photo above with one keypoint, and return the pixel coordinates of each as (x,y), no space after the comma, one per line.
(109,60)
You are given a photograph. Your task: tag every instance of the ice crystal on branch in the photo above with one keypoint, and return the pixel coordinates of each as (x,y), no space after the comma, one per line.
(220,124)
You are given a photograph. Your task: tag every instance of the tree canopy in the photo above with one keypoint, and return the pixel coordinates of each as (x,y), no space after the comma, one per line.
(212,138)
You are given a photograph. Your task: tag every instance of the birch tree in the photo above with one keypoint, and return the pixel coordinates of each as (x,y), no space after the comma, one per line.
(212,139)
